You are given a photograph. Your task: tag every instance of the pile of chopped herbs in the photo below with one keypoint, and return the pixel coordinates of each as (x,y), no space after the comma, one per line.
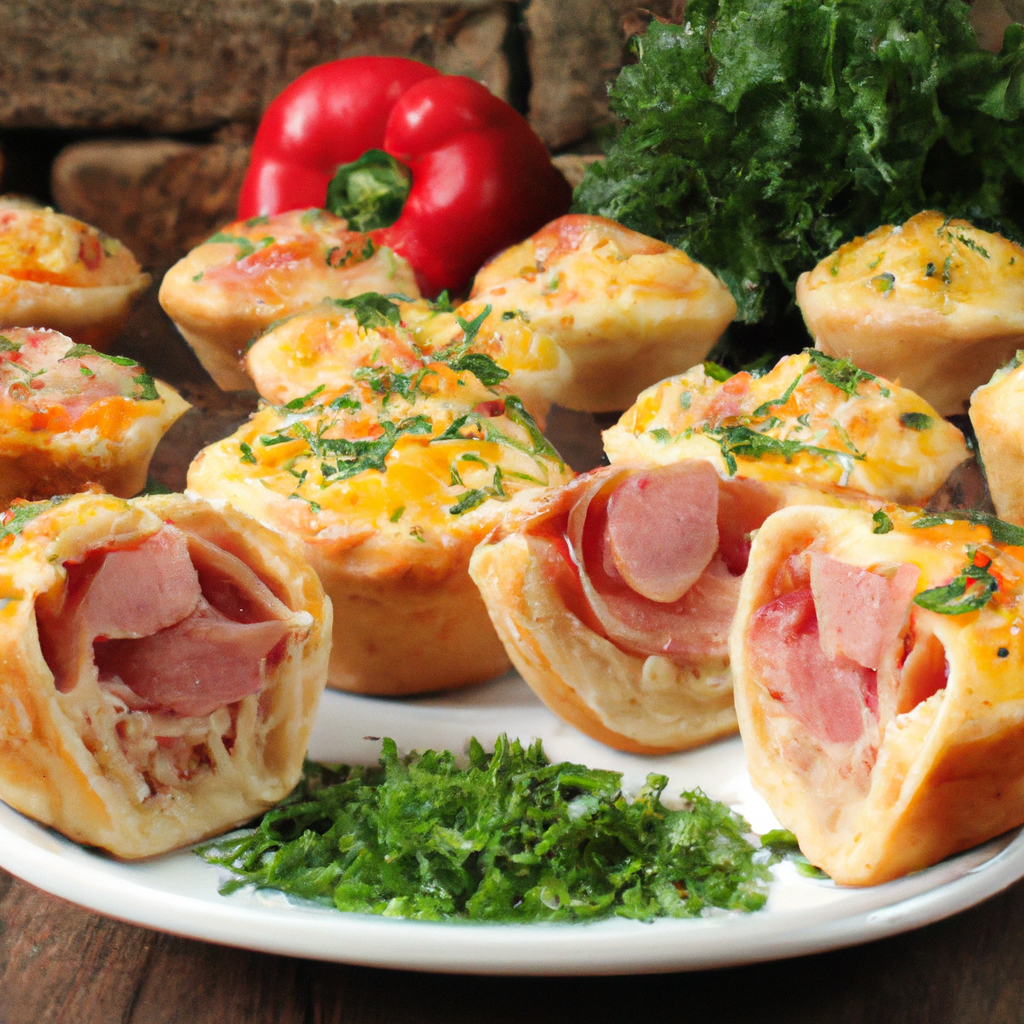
(759,135)
(510,838)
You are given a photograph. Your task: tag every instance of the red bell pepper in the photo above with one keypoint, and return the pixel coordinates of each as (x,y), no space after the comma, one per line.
(481,179)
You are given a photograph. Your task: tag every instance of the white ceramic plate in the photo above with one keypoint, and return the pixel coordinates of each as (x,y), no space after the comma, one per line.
(178,892)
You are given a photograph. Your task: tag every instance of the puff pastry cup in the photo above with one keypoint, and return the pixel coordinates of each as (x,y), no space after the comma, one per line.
(252,273)
(388,479)
(72,417)
(934,303)
(879,675)
(59,273)
(162,664)
(615,594)
(997,415)
(593,312)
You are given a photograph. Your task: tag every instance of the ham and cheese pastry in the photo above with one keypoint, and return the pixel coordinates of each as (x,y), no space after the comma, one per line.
(254,272)
(590,312)
(935,303)
(163,661)
(879,674)
(388,487)
(71,417)
(813,420)
(59,273)
(615,595)
(997,415)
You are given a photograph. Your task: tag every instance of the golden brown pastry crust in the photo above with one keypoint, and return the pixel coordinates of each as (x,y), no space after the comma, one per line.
(228,290)
(61,274)
(936,304)
(642,705)
(997,414)
(938,778)
(591,312)
(61,761)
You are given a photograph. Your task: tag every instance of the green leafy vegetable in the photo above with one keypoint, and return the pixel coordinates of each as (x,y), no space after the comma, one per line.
(147,388)
(783,844)
(883,524)
(760,134)
(916,420)
(1002,532)
(511,837)
(6,345)
(298,403)
(840,373)
(17,517)
(482,366)
(970,590)
(716,372)
(372,310)
(751,444)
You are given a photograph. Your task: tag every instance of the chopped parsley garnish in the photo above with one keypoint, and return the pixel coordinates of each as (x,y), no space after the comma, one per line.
(749,444)
(840,373)
(716,372)
(397,514)
(372,310)
(1002,532)
(661,435)
(883,524)
(482,366)
(247,455)
(346,402)
(478,495)
(916,420)
(784,844)
(245,247)
(511,837)
(972,589)
(298,403)
(147,385)
(6,345)
(442,304)
(20,514)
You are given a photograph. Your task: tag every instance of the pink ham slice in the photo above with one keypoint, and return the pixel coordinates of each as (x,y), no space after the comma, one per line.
(195,666)
(860,613)
(183,624)
(663,528)
(827,695)
(622,558)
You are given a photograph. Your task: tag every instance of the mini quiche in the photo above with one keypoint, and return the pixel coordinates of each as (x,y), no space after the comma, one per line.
(935,303)
(322,347)
(388,487)
(879,674)
(71,417)
(997,415)
(615,594)
(595,312)
(241,280)
(163,661)
(59,273)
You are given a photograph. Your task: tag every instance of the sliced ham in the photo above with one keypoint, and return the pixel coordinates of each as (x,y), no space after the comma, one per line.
(195,666)
(663,528)
(624,530)
(182,624)
(827,695)
(860,613)
(925,670)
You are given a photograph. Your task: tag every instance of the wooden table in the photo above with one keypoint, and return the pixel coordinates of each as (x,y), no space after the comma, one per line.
(61,963)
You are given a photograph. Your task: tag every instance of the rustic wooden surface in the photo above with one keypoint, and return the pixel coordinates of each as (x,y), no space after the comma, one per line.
(60,963)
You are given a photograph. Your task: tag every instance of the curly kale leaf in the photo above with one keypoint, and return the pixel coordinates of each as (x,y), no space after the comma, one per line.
(761,134)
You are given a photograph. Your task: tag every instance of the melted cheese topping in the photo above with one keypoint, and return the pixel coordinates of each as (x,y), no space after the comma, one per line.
(38,244)
(269,267)
(793,425)
(929,263)
(404,463)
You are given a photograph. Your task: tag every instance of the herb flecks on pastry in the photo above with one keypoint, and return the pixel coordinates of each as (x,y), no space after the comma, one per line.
(71,416)
(389,486)
(163,663)
(228,290)
(601,312)
(59,273)
(878,668)
(934,303)
(812,420)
